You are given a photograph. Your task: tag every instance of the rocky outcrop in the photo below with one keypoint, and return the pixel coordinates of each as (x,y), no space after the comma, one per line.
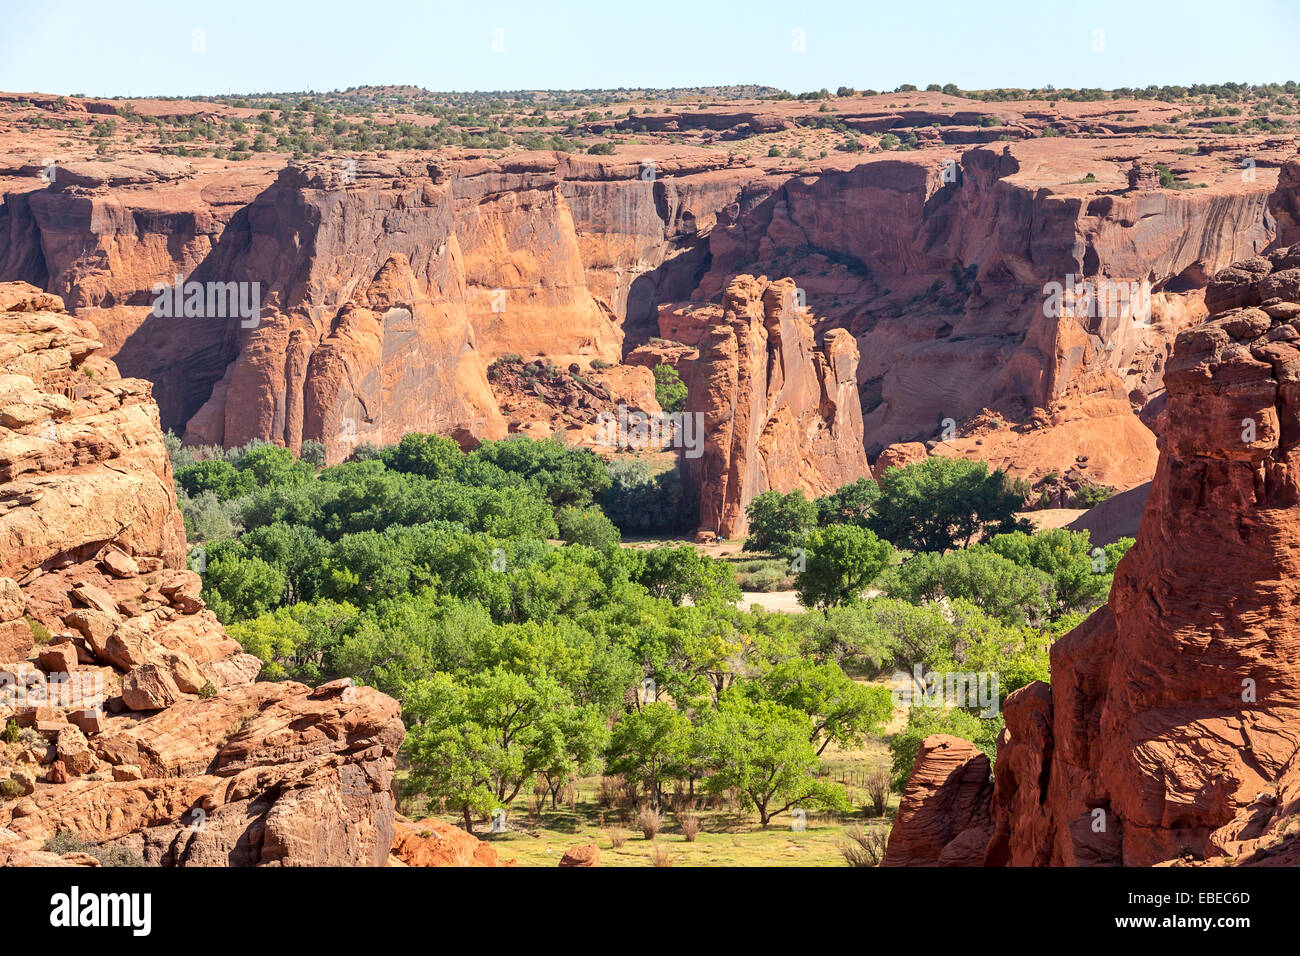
(1174,708)
(385,287)
(434,843)
(940,270)
(1284,204)
(944,816)
(898,455)
(143,728)
(776,411)
(1143,177)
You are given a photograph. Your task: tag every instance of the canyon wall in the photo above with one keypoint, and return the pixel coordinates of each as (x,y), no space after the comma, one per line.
(144,728)
(387,286)
(939,272)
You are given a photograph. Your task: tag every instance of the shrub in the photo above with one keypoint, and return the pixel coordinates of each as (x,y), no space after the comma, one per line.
(10,789)
(587,526)
(12,732)
(40,633)
(690,824)
(66,841)
(611,788)
(209,519)
(617,837)
(659,856)
(313,453)
(865,847)
(878,787)
(766,580)
(1090,495)
(649,821)
(670,392)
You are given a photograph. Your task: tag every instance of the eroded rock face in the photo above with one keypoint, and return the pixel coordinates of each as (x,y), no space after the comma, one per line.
(1285,203)
(162,742)
(389,285)
(1174,707)
(944,817)
(386,287)
(777,412)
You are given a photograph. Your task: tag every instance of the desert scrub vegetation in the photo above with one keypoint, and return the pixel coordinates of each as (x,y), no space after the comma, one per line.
(865,846)
(66,841)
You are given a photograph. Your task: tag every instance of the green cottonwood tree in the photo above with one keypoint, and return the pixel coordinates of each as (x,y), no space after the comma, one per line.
(762,749)
(840,561)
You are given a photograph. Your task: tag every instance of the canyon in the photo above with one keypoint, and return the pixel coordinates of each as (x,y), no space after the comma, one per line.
(390,283)
(830,317)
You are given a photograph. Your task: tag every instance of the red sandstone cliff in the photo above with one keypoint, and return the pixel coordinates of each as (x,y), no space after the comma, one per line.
(378,280)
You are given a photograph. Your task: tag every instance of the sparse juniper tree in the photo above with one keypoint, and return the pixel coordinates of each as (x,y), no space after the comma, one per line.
(670,392)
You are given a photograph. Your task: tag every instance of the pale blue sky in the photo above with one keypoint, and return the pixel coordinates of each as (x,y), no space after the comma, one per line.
(98,49)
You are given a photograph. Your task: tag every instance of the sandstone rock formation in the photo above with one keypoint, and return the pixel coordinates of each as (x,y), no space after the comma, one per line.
(1172,723)
(943,818)
(584,854)
(898,455)
(777,412)
(941,278)
(1284,203)
(386,287)
(143,729)
(434,843)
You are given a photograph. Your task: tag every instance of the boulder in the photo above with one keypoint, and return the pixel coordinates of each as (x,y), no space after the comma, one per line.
(58,658)
(434,843)
(584,854)
(12,601)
